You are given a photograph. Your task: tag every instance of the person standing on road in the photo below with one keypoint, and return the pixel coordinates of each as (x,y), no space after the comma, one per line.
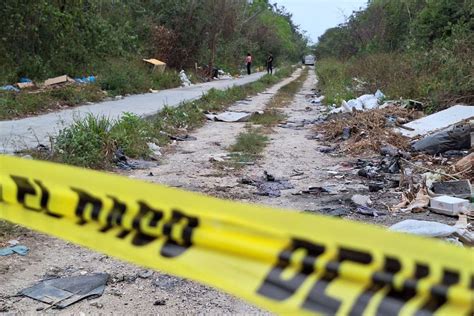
(248,62)
(270,64)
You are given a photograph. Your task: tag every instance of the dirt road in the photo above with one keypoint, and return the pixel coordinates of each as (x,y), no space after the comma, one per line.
(130,288)
(290,154)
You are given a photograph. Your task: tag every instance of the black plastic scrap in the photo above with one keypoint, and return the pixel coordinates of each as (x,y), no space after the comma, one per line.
(62,292)
(457,137)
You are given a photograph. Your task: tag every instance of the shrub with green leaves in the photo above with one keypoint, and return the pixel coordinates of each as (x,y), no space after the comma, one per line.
(86,143)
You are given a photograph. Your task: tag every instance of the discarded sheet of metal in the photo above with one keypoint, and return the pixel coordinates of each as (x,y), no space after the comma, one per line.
(62,292)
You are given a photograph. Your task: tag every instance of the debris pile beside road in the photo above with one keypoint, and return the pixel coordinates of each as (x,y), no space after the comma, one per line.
(367,131)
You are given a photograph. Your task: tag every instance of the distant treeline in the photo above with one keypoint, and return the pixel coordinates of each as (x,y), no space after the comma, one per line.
(409,48)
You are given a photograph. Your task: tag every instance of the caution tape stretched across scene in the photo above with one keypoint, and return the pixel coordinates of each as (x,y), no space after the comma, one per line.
(286,262)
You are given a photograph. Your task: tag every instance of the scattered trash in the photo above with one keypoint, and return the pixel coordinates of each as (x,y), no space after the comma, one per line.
(62,292)
(364,102)
(336,212)
(156,150)
(9,87)
(448,205)
(314,191)
(125,163)
(466,164)
(182,138)
(376,186)
(365,210)
(18,249)
(327,149)
(86,80)
(439,120)
(457,188)
(416,203)
(145,274)
(361,200)
(58,80)
(159,303)
(157,64)
(269,185)
(185,82)
(24,85)
(423,228)
(346,133)
(219,157)
(230,116)
(456,137)
(25,80)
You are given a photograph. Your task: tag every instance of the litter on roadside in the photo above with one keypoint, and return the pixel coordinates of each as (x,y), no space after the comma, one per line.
(456,137)
(14,249)
(230,116)
(62,292)
(438,120)
(185,82)
(448,205)
(423,228)
(58,80)
(268,185)
(455,188)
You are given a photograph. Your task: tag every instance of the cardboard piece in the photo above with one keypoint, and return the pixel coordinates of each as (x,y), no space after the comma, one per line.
(23,85)
(58,80)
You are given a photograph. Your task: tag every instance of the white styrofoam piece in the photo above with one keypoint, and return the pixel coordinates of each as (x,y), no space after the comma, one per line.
(448,204)
(439,120)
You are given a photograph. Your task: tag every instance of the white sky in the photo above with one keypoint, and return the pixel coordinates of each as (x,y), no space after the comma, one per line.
(316,16)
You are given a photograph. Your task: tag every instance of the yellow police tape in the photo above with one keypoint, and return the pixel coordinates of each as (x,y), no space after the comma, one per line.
(284,261)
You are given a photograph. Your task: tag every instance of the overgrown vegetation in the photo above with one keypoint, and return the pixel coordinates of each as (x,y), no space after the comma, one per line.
(42,39)
(248,146)
(411,49)
(92,141)
(109,38)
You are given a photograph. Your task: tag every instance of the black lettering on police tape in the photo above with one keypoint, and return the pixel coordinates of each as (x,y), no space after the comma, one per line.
(317,299)
(114,218)
(395,299)
(25,187)
(439,293)
(172,248)
(379,280)
(277,288)
(85,200)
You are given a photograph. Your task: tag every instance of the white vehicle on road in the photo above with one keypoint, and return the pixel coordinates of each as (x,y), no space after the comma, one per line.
(309,60)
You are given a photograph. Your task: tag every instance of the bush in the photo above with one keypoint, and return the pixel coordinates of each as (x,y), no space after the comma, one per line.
(122,76)
(131,133)
(334,79)
(86,143)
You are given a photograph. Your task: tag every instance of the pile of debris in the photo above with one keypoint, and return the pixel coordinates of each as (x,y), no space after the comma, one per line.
(367,131)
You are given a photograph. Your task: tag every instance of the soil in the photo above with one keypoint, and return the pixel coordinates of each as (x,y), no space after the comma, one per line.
(290,155)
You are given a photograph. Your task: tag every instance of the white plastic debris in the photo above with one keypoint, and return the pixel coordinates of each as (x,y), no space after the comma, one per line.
(185,82)
(423,228)
(379,95)
(154,148)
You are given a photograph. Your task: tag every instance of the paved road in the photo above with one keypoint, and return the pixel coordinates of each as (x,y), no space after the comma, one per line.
(28,132)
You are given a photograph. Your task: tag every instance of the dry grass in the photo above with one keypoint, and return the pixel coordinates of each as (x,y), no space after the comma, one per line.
(368,129)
